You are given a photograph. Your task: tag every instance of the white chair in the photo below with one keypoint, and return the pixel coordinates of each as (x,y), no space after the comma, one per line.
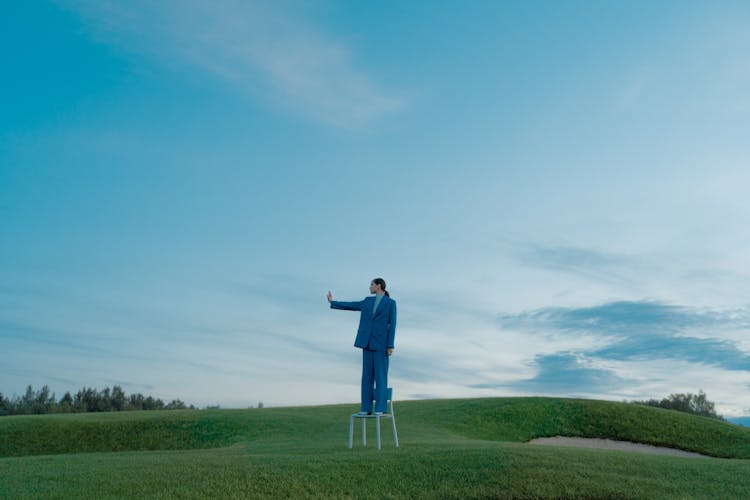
(389,394)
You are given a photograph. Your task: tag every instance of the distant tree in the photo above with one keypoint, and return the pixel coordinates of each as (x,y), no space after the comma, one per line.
(32,402)
(44,402)
(87,399)
(65,405)
(26,405)
(103,400)
(176,404)
(697,404)
(260,404)
(153,404)
(136,401)
(5,406)
(118,401)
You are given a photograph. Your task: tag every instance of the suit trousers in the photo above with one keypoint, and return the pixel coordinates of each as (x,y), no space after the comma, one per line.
(374,371)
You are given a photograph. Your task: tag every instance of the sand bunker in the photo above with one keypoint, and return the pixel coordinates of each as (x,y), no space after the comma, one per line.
(609,444)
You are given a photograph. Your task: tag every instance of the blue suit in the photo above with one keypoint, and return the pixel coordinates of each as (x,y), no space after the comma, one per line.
(375,336)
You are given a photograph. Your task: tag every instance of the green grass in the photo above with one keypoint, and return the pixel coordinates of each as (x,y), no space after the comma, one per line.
(449,449)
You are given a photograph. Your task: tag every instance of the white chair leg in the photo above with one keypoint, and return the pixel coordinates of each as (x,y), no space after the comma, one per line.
(364,432)
(395,434)
(351,430)
(377,429)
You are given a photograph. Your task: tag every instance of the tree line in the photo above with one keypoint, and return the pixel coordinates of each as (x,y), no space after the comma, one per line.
(697,404)
(88,399)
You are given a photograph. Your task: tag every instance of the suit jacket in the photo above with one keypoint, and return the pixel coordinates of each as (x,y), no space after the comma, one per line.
(376,332)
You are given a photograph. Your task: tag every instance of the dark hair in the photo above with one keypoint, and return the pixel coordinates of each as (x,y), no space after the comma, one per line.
(381,282)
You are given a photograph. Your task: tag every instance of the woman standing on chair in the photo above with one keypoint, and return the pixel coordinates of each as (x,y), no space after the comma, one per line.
(377,329)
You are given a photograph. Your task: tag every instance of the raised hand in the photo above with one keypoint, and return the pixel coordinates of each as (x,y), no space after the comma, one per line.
(330,296)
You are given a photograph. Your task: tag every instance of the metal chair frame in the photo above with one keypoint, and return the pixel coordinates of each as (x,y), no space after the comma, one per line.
(365,418)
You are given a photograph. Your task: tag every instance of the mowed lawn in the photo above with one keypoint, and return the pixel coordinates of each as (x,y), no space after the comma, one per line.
(449,449)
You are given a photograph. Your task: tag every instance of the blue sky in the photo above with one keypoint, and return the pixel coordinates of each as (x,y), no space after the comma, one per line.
(555,193)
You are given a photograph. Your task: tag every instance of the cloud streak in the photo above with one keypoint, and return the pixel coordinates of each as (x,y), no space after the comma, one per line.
(256,47)
(588,263)
(632,318)
(568,373)
(633,332)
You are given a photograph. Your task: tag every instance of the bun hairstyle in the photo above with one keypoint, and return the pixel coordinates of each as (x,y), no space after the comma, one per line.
(381,282)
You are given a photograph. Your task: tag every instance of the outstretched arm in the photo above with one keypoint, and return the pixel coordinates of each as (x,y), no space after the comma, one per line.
(347,306)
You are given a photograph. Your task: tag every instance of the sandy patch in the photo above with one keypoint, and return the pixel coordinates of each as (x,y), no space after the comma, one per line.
(609,444)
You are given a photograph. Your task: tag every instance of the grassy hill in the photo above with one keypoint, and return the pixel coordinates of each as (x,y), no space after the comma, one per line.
(449,448)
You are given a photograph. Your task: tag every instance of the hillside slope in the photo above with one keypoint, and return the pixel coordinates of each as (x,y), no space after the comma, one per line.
(472,448)
(490,419)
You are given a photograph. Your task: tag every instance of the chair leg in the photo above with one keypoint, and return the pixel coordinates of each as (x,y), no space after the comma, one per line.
(377,429)
(351,431)
(395,434)
(364,432)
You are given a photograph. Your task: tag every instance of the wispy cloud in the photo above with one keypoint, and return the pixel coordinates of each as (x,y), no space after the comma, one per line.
(633,332)
(586,262)
(30,374)
(629,318)
(259,47)
(65,341)
(568,373)
(714,352)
